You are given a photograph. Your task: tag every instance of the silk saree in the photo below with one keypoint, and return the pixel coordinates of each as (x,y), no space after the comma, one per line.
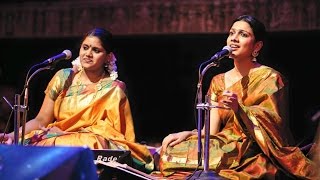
(98,117)
(254,143)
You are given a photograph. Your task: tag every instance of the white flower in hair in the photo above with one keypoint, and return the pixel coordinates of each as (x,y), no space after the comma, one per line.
(76,64)
(112,67)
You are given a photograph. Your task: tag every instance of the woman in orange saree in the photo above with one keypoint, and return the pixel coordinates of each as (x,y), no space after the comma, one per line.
(87,105)
(250,137)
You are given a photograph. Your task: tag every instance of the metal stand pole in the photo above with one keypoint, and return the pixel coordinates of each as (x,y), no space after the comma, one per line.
(199,127)
(207,133)
(18,108)
(206,174)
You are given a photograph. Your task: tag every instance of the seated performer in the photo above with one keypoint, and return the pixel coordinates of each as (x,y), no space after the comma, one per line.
(87,105)
(250,137)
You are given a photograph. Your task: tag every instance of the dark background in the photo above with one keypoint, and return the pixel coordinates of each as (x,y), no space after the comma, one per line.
(161,74)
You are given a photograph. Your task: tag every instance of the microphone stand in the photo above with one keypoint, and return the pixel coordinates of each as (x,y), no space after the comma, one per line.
(206,174)
(18,108)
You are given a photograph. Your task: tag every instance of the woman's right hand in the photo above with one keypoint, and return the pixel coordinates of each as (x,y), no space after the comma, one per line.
(6,139)
(175,138)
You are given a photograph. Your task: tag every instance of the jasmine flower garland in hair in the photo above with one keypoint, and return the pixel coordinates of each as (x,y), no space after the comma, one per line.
(111,67)
(76,64)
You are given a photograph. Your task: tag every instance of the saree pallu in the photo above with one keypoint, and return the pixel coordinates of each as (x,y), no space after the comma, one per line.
(254,143)
(224,160)
(97,116)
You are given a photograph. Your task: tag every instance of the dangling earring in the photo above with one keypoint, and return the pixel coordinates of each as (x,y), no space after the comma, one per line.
(254,59)
(255,54)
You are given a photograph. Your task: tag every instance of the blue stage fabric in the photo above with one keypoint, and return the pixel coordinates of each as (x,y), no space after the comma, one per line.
(59,163)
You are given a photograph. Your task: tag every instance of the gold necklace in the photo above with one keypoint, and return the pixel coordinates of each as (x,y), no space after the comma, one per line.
(98,85)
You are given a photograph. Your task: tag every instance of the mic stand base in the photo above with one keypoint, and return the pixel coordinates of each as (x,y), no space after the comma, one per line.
(205,175)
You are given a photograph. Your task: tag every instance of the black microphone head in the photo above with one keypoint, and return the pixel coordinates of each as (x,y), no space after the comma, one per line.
(67,53)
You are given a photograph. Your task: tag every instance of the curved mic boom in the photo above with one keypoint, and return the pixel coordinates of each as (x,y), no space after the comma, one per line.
(66,54)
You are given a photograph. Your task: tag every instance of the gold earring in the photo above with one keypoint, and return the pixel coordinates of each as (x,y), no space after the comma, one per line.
(255,53)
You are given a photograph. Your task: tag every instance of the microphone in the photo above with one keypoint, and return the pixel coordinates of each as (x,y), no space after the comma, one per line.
(214,60)
(66,54)
(226,51)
